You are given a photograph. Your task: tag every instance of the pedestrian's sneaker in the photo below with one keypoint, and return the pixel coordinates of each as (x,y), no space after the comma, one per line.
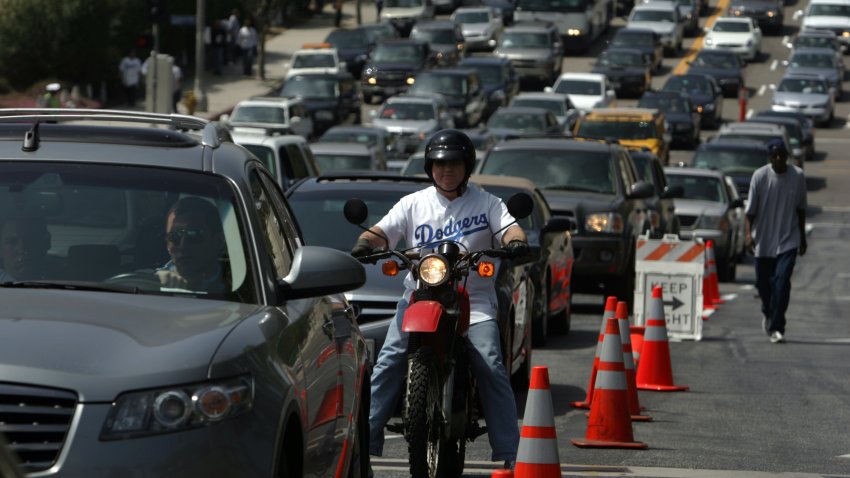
(764,324)
(777,337)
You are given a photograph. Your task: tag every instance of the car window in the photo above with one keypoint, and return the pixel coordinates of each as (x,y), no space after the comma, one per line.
(524,40)
(802,85)
(556,169)
(617,129)
(553,105)
(295,160)
(265,155)
(665,104)
(527,123)
(731,27)
(717,60)
(699,187)
(314,60)
(271,228)
(621,58)
(579,87)
(633,39)
(408,111)
(731,162)
(92,223)
(310,87)
(342,162)
(481,16)
(397,54)
(813,60)
(259,114)
(652,16)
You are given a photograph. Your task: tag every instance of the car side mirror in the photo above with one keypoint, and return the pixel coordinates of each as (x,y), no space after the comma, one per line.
(737,203)
(557,224)
(641,190)
(319,271)
(548,89)
(224,118)
(785,63)
(671,192)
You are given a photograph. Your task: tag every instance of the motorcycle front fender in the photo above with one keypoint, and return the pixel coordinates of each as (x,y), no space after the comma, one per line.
(422,316)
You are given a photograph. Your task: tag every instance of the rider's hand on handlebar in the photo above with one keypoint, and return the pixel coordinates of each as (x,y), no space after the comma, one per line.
(517,248)
(362,248)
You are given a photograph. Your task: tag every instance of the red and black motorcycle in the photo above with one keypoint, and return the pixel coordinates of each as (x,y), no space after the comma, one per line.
(440,412)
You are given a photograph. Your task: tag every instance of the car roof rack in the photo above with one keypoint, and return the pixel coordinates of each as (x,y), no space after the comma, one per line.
(371,176)
(213,134)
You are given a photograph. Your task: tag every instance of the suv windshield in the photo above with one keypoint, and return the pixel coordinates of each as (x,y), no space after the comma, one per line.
(829,10)
(342,162)
(94,223)
(310,87)
(524,40)
(813,60)
(700,188)
(665,104)
(440,36)
(617,129)
(388,53)
(633,39)
(579,87)
(555,106)
(731,162)
(553,5)
(816,42)
(621,58)
(259,114)
(556,169)
(526,123)
(348,39)
(652,16)
(472,17)
(802,85)
(716,59)
(687,84)
(731,27)
(450,85)
(407,111)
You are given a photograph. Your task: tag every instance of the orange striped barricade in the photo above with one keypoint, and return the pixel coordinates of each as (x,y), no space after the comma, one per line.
(677,266)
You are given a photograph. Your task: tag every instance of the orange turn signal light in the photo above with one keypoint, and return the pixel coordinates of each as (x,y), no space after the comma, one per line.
(486,269)
(390,268)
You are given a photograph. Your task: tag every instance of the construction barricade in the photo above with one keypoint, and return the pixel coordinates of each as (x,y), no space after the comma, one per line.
(677,266)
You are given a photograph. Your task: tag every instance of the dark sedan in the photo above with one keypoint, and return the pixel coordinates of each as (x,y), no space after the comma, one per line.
(683,120)
(704,93)
(724,66)
(391,67)
(318,203)
(331,99)
(552,248)
(524,121)
(645,40)
(628,69)
(352,47)
(499,80)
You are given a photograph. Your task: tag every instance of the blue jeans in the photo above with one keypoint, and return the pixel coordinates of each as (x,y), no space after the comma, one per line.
(773,281)
(494,388)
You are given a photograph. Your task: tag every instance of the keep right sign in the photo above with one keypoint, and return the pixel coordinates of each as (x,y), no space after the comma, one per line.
(677,267)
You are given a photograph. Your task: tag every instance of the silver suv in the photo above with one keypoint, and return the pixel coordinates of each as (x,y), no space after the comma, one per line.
(534,48)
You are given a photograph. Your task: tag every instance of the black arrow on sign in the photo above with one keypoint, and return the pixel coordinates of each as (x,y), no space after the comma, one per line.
(675,303)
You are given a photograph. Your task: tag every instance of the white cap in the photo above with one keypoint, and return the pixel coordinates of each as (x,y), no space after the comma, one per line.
(54,87)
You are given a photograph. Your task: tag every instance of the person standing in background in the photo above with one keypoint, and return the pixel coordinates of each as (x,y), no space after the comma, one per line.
(177,90)
(776,233)
(232,26)
(130,68)
(247,40)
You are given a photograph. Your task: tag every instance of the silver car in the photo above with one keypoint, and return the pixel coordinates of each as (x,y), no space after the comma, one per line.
(663,18)
(558,103)
(349,156)
(481,26)
(411,119)
(708,210)
(535,49)
(820,61)
(805,93)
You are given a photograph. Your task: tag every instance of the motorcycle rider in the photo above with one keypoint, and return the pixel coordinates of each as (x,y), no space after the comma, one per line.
(450,209)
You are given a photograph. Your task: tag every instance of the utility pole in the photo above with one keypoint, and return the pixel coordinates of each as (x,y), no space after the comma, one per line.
(200,54)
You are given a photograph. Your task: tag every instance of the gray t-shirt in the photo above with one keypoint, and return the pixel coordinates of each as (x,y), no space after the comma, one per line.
(774,200)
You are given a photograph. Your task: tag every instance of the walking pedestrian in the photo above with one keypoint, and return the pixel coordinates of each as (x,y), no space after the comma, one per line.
(247,41)
(130,68)
(337,13)
(775,233)
(379,5)
(232,27)
(177,89)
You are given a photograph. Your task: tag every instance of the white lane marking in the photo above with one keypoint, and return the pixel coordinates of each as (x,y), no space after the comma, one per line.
(785,40)
(762,89)
(749,113)
(773,65)
(844,456)
(730,296)
(832,225)
(842,298)
(833,140)
(847,123)
(809,228)
(836,208)
(844,340)
(842,275)
(748,287)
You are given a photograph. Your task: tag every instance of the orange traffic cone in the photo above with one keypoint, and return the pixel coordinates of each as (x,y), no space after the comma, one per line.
(622,316)
(715,280)
(609,425)
(654,371)
(636,332)
(537,456)
(610,306)
(502,474)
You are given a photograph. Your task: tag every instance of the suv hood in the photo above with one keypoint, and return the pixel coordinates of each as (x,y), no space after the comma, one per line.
(661,28)
(101,344)
(586,102)
(405,126)
(579,203)
(821,21)
(477,29)
(388,13)
(797,99)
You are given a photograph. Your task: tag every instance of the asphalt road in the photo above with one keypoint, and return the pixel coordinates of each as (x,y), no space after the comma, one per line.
(754,408)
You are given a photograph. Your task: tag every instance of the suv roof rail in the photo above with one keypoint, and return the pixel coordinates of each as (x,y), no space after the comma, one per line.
(213,133)
(371,176)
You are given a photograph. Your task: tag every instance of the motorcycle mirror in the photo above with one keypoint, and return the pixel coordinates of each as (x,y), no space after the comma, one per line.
(520,205)
(355,211)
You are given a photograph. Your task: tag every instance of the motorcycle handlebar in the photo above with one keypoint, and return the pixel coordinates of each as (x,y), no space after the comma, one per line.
(407,257)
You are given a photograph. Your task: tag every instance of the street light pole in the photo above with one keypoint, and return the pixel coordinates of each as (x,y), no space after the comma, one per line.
(200,23)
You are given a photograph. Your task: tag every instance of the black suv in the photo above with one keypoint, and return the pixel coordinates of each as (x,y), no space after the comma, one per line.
(445,38)
(597,186)
(460,87)
(331,99)
(392,66)
(499,80)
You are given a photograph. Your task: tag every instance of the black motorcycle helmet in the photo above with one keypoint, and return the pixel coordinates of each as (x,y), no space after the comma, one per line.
(450,145)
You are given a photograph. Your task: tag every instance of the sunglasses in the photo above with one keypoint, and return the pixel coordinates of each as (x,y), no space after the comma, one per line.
(192,236)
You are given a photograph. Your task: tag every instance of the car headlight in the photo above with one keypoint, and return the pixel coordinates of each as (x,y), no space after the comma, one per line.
(709,41)
(433,270)
(771,13)
(410,80)
(604,222)
(165,410)
(573,32)
(372,80)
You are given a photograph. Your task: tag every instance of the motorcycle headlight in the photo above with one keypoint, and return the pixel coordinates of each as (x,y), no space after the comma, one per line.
(605,222)
(176,408)
(433,270)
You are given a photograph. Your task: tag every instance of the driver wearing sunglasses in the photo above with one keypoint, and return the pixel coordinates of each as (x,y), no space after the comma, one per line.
(195,242)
